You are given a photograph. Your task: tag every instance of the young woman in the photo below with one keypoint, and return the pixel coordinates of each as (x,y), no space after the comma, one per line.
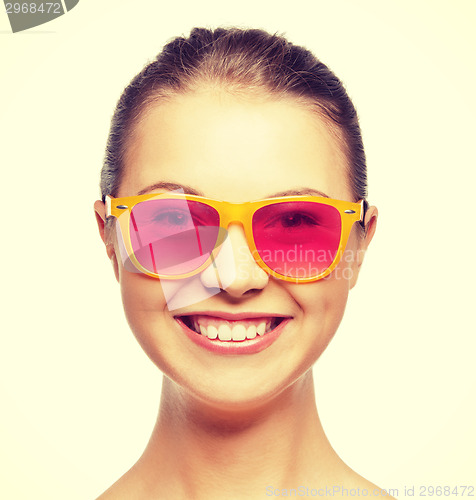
(234,213)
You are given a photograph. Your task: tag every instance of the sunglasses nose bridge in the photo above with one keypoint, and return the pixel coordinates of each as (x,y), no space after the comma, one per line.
(232,213)
(238,214)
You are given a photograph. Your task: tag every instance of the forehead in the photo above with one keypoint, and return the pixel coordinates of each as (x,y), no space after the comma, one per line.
(234,148)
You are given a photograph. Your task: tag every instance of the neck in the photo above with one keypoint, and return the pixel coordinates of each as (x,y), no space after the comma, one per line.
(198,451)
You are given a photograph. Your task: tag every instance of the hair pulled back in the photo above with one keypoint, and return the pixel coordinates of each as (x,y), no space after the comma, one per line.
(242,61)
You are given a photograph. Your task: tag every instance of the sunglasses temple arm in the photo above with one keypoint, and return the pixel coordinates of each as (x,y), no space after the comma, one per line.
(107,202)
(365,206)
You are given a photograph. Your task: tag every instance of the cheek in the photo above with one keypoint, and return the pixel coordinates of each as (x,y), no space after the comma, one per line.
(144,304)
(334,293)
(149,304)
(323,304)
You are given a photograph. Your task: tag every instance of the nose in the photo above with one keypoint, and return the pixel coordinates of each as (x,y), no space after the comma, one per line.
(234,267)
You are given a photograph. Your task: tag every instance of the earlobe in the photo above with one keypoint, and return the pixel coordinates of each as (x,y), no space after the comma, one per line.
(115,266)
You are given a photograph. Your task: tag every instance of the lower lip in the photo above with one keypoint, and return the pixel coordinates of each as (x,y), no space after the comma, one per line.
(250,346)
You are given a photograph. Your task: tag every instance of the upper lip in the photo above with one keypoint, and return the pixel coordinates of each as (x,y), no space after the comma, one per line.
(233,316)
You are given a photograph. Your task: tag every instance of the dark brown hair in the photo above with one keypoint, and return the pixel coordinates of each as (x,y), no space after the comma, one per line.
(240,61)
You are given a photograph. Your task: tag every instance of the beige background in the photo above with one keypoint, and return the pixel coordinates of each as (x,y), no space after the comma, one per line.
(395,388)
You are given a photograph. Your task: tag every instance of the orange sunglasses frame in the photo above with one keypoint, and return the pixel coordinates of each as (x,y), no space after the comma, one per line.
(242,213)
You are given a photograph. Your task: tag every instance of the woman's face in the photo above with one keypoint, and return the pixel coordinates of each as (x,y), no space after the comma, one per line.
(237,150)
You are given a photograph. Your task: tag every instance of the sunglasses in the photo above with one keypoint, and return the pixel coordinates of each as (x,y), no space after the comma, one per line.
(294,238)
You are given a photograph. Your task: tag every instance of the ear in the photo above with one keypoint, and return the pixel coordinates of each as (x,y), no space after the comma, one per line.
(370,222)
(100,211)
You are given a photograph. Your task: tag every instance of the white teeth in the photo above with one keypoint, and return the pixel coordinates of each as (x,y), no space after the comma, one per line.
(224,332)
(251,332)
(212,332)
(260,329)
(238,332)
(227,330)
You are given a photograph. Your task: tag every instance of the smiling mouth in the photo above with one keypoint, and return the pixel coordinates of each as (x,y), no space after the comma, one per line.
(230,330)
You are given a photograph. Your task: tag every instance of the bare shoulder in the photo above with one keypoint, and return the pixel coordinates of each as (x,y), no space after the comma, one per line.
(125,488)
(376,491)
(356,485)
(117,492)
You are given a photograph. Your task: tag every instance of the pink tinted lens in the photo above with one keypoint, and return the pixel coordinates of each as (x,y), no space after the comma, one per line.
(298,239)
(173,236)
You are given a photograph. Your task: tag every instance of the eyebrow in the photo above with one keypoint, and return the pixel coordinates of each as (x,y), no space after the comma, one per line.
(299,192)
(172,186)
